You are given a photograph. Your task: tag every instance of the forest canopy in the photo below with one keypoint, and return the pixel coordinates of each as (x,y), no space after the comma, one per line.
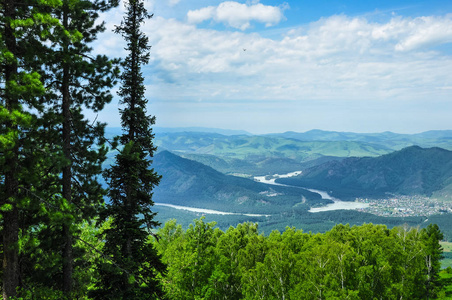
(360,262)
(61,239)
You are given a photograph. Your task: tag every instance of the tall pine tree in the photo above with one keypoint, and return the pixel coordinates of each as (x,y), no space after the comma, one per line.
(23,23)
(134,262)
(76,81)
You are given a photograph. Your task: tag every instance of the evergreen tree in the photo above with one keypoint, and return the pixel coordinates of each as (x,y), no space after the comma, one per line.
(23,24)
(135,263)
(76,80)
(432,235)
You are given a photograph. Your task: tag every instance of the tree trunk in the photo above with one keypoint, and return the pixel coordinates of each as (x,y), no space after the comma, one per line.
(67,170)
(67,185)
(10,217)
(10,251)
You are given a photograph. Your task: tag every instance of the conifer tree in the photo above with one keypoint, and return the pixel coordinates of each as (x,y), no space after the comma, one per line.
(131,274)
(76,79)
(69,161)
(23,23)
(432,235)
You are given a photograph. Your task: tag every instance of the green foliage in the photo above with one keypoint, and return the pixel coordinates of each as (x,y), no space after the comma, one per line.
(131,272)
(261,147)
(34,55)
(189,183)
(358,262)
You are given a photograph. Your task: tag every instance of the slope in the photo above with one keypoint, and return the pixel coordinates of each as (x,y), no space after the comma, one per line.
(410,171)
(189,183)
(255,148)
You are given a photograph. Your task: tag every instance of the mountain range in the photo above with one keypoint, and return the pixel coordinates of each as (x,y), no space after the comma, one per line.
(189,183)
(395,141)
(196,173)
(196,169)
(410,171)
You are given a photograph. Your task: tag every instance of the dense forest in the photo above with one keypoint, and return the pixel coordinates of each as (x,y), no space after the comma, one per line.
(51,155)
(65,236)
(359,262)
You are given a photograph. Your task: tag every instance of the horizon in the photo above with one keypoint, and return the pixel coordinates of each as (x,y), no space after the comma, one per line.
(162,129)
(266,66)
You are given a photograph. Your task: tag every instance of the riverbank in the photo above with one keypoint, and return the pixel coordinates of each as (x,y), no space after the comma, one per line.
(336,205)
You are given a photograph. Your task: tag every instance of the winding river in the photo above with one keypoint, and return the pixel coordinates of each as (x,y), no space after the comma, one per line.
(207,211)
(336,205)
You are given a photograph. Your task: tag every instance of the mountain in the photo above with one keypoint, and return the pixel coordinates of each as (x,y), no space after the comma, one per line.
(410,171)
(256,167)
(258,147)
(395,141)
(159,130)
(190,183)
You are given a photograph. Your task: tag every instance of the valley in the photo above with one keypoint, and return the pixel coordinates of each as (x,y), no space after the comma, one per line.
(382,178)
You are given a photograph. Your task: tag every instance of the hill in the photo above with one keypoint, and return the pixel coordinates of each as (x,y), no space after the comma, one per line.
(410,171)
(190,183)
(395,141)
(257,148)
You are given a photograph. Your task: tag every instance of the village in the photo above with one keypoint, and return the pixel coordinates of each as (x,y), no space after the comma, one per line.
(405,206)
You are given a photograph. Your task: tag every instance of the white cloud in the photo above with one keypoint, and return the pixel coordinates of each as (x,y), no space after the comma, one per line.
(426,31)
(173,2)
(333,58)
(201,15)
(237,15)
(338,59)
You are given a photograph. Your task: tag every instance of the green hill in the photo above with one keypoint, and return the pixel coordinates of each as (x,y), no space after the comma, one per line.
(395,141)
(410,171)
(190,183)
(259,147)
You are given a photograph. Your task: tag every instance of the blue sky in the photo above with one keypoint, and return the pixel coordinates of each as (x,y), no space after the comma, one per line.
(274,66)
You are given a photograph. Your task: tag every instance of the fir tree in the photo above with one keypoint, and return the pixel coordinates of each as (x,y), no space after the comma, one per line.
(131,274)
(76,79)
(23,24)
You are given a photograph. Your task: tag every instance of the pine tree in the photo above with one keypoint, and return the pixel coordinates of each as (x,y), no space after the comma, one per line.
(24,23)
(76,81)
(131,274)
(432,235)
(65,173)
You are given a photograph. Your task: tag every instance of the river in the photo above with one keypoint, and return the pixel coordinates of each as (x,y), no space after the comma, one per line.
(336,205)
(207,211)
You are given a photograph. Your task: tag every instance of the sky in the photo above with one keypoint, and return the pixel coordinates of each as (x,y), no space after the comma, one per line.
(274,66)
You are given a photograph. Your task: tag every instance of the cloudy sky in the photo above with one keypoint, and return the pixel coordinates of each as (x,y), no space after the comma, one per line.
(274,66)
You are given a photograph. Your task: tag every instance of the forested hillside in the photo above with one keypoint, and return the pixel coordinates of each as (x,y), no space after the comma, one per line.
(410,171)
(259,147)
(190,183)
(395,141)
(77,214)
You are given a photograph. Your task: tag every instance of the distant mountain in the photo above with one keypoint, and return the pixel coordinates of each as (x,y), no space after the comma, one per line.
(159,130)
(396,141)
(113,131)
(256,167)
(321,135)
(190,183)
(254,148)
(410,171)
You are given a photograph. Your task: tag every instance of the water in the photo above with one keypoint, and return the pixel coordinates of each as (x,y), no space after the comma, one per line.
(207,211)
(338,204)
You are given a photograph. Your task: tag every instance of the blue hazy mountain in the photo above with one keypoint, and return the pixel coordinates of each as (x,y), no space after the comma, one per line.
(395,141)
(190,183)
(410,171)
